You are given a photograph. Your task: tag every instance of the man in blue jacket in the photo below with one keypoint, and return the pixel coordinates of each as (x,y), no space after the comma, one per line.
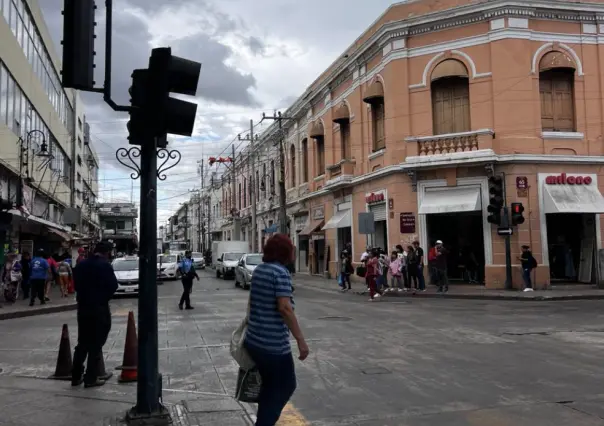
(95,284)
(39,269)
(187,273)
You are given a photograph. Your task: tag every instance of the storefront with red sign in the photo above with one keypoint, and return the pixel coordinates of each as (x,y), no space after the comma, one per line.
(376,203)
(570,205)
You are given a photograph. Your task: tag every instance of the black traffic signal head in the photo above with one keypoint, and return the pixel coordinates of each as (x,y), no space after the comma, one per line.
(517,213)
(78,44)
(496,191)
(178,75)
(138,125)
(494,216)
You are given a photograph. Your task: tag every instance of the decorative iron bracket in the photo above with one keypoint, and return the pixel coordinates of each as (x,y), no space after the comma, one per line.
(130,154)
(413,176)
(167,155)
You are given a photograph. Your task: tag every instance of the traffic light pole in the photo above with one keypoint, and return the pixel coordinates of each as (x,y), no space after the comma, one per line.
(508,248)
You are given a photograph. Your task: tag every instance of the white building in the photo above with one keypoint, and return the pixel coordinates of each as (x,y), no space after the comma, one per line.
(40,128)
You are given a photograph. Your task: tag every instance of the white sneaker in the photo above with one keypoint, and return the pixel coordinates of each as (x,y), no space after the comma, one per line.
(377,295)
(528,289)
(400,289)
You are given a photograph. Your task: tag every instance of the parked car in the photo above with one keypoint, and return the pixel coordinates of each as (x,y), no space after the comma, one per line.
(245,268)
(167,265)
(199,262)
(226,264)
(126,273)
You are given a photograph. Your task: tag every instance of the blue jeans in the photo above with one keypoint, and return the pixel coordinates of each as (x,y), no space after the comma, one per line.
(278,384)
(526,275)
(420,277)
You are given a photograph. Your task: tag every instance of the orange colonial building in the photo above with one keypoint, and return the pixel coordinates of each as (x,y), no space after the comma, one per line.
(435,97)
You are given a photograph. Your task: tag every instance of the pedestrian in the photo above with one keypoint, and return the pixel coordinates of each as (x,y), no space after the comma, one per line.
(39,270)
(187,273)
(11,278)
(419,252)
(81,255)
(64,271)
(53,275)
(396,274)
(364,259)
(412,261)
(528,264)
(372,274)
(271,319)
(25,273)
(382,277)
(95,284)
(438,257)
(402,255)
(347,270)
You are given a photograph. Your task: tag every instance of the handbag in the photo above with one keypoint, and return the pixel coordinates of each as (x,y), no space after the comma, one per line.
(237,347)
(361,271)
(248,386)
(341,279)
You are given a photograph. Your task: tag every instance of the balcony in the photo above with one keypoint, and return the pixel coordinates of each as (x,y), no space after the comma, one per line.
(340,173)
(451,143)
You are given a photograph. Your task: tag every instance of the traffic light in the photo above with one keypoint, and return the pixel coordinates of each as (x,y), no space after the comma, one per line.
(138,125)
(495,200)
(517,213)
(78,44)
(168,73)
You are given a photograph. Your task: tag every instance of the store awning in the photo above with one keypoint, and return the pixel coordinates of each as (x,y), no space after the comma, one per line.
(341,219)
(572,199)
(451,200)
(312,226)
(50,225)
(63,235)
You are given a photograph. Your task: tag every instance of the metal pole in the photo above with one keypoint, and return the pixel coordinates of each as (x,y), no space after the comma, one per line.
(253,191)
(282,195)
(508,250)
(148,389)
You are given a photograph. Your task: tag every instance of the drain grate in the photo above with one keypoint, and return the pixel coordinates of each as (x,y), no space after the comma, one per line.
(375,371)
(335,318)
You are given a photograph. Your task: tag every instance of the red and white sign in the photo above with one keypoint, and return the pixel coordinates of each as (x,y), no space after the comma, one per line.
(375,198)
(563,179)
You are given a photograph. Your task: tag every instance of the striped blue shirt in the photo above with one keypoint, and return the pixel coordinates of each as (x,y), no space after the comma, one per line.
(266,329)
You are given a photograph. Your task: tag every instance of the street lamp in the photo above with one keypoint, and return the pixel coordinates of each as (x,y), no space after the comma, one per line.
(25,150)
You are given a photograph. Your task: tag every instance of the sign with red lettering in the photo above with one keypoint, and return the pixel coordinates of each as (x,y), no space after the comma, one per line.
(407,223)
(521,182)
(563,179)
(375,198)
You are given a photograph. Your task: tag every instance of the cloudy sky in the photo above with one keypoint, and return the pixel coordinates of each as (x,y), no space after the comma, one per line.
(257,56)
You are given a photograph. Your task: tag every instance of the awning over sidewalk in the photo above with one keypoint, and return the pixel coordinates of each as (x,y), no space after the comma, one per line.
(451,200)
(342,219)
(55,228)
(312,226)
(572,199)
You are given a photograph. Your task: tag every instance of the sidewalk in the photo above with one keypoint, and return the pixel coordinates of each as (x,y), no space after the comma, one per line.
(21,307)
(463,291)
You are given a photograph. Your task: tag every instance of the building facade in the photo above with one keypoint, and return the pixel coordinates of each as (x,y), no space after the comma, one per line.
(409,123)
(119,225)
(38,133)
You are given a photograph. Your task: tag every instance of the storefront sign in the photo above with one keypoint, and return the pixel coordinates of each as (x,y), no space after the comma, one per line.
(317,237)
(375,198)
(318,213)
(407,223)
(521,182)
(563,179)
(300,222)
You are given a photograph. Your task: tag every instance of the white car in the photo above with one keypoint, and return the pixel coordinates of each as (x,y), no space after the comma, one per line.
(226,264)
(243,272)
(199,261)
(126,273)
(167,265)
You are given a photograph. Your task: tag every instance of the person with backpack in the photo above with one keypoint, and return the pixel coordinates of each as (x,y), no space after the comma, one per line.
(528,264)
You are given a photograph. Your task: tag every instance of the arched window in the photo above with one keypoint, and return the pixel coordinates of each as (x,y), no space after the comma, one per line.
(304,161)
(342,116)
(374,95)
(292,155)
(318,134)
(450,98)
(557,92)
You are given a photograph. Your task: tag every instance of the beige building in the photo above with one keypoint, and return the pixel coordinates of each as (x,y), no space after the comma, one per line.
(42,138)
(435,97)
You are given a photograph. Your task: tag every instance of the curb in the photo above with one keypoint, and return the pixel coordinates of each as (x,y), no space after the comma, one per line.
(38,311)
(505,297)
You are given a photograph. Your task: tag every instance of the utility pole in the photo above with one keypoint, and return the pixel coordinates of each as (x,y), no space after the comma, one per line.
(251,139)
(209,200)
(235,210)
(200,225)
(282,195)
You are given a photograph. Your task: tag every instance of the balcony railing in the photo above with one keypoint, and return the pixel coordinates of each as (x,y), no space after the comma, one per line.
(450,143)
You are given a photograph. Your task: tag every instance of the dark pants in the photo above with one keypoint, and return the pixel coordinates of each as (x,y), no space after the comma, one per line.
(187,285)
(442,279)
(526,275)
(412,271)
(278,384)
(346,280)
(420,277)
(405,272)
(25,287)
(37,289)
(94,324)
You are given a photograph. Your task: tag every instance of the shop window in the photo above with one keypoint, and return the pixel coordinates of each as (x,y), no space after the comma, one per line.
(450,98)
(556,90)
(378,120)
(305,160)
(320,149)
(292,151)
(345,140)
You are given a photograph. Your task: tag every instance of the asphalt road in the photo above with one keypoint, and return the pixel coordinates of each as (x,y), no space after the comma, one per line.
(395,362)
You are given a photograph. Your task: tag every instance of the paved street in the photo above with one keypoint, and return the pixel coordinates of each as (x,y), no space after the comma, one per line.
(397,362)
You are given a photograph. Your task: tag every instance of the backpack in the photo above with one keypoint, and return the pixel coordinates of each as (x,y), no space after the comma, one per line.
(532,262)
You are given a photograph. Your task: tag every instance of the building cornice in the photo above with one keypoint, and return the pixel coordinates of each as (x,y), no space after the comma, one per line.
(561,10)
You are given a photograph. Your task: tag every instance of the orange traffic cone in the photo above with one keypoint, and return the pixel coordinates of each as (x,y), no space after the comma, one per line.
(129,365)
(103,374)
(64,361)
